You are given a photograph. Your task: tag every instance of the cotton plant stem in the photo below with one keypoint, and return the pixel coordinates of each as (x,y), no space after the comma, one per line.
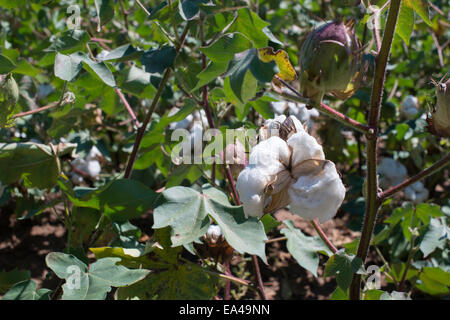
(324,237)
(143,127)
(127,106)
(372,200)
(445,161)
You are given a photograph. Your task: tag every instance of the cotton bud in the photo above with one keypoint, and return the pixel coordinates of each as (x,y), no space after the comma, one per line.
(417,193)
(289,167)
(410,107)
(216,246)
(330,58)
(391,172)
(9,96)
(234,155)
(440,116)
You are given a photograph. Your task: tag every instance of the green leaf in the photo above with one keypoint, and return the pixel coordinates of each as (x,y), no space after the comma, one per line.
(105,12)
(434,281)
(157,60)
(6,65)
(8,4)
(186,211)
(426,211)
(251,25)
(435,237)
(374,294)
(35,163)
(9,278)
(123,53)
(304,248)
(136,81)
(405,23)
(421,7)
(120,200)
(66,67)
(26,290)
(93,283)
(99,68)
(245,69)
(69,41)
(184,282)
(343,266)
(224,49)
(189,9)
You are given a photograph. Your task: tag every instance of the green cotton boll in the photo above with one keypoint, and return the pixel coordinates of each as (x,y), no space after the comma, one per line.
(9,95)
(441,113)
(330,58)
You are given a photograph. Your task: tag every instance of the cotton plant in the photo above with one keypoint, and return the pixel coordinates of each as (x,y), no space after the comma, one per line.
(90,165)
(288,167)
(299,110)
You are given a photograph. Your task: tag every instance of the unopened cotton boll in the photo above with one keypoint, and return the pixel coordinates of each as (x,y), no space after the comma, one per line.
(391,172)
(417,193)
(410,107)
(318,196)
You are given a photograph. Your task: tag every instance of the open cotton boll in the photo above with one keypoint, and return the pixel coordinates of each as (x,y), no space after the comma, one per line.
(318,196)
(304,147)
(417,193)
(279,107)
(93,154)
(93,168)
(250,185)
(410,107)
(271,153)
(214,233)
(391,172)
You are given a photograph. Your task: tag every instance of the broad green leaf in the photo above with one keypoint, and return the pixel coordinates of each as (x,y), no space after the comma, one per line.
(339,294)
(123,53)
(281,58)
(374,294)
(435,237)
(251,25)
(93,283)
(426,211)
(186,211)
(9,278)
(434,281)
(189,9)
(24,67)
(69,41)
(263,106)
(421,7)
(26,290)
(157,60)
(211,73)
(105,12)
(343,266)
(35,163)
(304,248)
(8,4)
(405,23)
(99,68)
(240,68)
(136,81)
(120,200)
(269,222)
(6,65)
(224,49)
(66,67)
(184,282)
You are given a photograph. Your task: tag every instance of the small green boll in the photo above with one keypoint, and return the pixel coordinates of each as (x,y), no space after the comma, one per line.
(9,96)
(330,59)
(440,121)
